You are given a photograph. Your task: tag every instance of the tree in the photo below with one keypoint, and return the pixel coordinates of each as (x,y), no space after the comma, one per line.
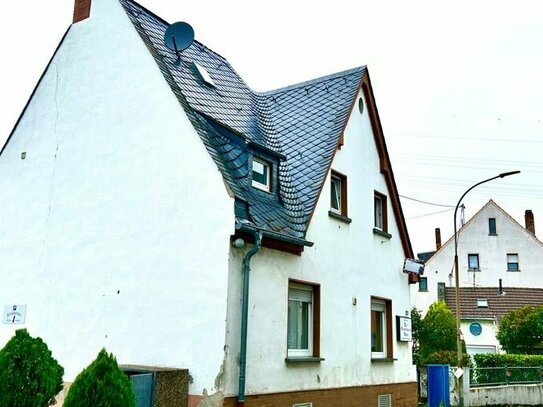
(437,337)
(29,375)
(521,330)
(416,327)
(101,383)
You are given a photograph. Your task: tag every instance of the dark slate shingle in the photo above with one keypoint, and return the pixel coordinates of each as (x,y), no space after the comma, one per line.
(302,122)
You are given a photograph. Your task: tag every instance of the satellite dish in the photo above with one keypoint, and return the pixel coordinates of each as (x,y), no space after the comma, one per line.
(178,37)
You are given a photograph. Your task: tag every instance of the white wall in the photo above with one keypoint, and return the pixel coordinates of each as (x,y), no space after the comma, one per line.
(114,229)
(348,261)
(513,395)
(492,250)
(483,342)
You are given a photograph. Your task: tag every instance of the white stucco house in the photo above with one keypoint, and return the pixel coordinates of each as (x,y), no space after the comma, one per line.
(162,209)
(497,257)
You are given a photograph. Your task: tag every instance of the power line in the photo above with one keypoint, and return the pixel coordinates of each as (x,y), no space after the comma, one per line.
(429,214)
(425,202)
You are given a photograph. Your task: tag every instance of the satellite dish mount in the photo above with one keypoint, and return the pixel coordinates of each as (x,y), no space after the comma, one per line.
(178,37)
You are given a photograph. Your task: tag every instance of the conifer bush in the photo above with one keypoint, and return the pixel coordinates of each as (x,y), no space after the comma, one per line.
(29,375)
(101,384)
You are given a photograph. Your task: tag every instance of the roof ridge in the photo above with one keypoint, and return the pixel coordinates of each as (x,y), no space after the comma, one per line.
(312,81)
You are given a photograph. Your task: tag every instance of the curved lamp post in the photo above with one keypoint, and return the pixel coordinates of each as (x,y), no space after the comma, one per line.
(457,285)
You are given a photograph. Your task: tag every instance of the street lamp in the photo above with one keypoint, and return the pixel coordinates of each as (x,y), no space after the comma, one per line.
(457,287)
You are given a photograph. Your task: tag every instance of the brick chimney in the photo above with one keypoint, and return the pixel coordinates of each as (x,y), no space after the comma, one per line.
(438,239)
(529,221)
(81,10)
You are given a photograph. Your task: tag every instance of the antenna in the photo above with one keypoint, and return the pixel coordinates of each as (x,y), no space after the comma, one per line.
(178,37)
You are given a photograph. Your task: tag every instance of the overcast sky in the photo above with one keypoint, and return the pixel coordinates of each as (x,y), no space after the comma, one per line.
(459,85)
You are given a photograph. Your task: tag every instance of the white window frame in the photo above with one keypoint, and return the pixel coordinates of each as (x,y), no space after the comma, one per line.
(264,187)
(482,303)
(293,353)
(334,179)
(513,256)
(380,306)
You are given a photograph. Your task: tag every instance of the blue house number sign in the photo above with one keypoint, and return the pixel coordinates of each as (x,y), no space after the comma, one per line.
(475,328)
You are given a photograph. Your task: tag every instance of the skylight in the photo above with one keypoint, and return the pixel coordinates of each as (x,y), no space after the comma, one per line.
(203,74)
(482,303)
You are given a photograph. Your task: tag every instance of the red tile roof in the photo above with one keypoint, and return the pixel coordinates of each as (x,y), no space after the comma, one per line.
(498,304)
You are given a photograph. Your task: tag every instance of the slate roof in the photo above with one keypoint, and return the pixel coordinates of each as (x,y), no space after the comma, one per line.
(298,125)
(498,304)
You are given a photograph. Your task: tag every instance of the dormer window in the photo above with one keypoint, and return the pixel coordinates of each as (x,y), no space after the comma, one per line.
(261,174)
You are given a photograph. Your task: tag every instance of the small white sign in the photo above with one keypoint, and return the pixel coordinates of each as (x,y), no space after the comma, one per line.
(458,373)
(404,328)
(14,314)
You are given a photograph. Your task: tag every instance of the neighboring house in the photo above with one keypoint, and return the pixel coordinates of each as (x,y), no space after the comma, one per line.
(481,311)
(138,192)
(493,250)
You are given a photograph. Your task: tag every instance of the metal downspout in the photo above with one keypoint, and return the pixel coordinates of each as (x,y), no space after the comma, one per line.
(244,316)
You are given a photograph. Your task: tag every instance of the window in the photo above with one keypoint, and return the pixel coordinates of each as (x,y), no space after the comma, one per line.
(380,212)
(423,284)
(261,174)
(381,329)
(441,291)
(303,320)
(473,262)
(512,262)
(491,226)
(482,303)
(202,74)
(338,194)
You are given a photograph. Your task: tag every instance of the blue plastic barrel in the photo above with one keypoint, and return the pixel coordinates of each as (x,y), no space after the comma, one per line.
(438,385)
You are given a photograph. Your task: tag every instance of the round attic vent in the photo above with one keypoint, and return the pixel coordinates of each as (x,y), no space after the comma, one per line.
(361,105)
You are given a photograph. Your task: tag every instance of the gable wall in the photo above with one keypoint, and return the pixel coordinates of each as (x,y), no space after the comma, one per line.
(114,229)
(492,250)
(348,261)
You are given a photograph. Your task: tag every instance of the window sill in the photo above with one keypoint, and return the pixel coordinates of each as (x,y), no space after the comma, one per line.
(381,233)
(423,291)
(475,270)
(513,271)
(383,360)
(303,359)
(492,234)
(339,217)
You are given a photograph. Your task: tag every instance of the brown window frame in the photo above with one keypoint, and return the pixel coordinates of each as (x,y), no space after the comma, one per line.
(389,333)
(315,321)
(342,210)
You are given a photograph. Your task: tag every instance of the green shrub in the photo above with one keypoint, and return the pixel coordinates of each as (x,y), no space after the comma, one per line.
(101,383)
(437,337)
(521,330)
(29,375)
(507,360)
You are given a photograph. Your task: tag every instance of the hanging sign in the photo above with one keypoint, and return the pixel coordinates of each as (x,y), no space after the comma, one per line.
(14,314)
(403,328)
